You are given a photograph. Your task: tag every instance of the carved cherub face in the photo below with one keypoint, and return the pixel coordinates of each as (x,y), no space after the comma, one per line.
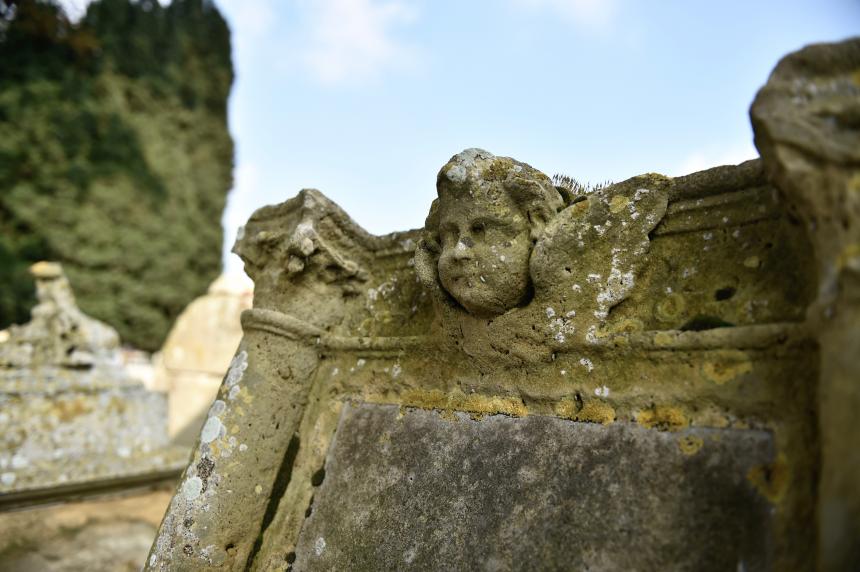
(490,211)
(486,245)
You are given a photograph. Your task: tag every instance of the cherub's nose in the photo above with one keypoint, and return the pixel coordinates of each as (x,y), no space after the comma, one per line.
(463,249)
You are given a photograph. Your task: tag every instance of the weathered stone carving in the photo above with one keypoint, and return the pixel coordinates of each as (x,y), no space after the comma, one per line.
(70,416)
(806,126)
(671,309)
(500,236)
(59,334)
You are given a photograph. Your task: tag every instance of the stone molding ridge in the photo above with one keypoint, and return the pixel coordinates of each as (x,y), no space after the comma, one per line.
(759,336)
(290,327)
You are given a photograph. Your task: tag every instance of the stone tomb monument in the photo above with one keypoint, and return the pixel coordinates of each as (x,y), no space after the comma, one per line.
(548,379)
(71,419)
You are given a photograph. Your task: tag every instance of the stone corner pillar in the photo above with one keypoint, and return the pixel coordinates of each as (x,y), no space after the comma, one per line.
(807,128)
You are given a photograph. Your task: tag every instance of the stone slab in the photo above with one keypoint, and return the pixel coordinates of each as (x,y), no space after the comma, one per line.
(413,490)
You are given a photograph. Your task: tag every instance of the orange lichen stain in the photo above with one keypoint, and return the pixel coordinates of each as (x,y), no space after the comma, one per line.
(690,444)
(595,411)
(580,208)
(66,410)
(664,418)
(726,366)
(772,480)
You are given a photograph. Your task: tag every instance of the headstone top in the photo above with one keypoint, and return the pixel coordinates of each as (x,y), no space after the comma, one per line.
(59,334)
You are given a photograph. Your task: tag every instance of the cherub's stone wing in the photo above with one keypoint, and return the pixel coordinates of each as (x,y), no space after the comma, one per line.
(588,258)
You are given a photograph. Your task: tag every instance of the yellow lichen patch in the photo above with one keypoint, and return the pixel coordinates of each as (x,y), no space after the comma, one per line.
(670,308)
(618,203)
(752,262)
(596,411)
(482,404)
(458,401)
(246,396)
(664,418)
(850,256)
(690,444)
(712,418)
(498,170)
(771,481)
(626,326)
(423,399)
(726,366)
(663,339)
(566,408)
(621,341)
(68,409)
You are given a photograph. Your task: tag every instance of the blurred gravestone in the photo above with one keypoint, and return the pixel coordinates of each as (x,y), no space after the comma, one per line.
(196,354)
(71,419)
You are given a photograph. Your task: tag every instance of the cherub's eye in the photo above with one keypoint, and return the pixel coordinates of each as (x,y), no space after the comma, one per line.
(478,228)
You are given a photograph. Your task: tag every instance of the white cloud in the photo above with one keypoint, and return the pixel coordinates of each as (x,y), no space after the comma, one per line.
(354,39)
(595,14)
(705,159)
(74,9)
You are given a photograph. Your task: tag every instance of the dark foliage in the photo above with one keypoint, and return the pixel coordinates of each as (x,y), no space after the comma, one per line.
(115,157)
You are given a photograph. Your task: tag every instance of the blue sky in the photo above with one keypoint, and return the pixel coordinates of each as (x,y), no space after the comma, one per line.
(366,99)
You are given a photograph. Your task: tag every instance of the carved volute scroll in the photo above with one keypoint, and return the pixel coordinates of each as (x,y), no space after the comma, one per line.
(676,305)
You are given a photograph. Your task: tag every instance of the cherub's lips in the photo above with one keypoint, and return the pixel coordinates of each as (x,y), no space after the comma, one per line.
(467,280)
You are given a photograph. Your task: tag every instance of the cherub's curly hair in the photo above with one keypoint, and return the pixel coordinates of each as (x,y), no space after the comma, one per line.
(530,190)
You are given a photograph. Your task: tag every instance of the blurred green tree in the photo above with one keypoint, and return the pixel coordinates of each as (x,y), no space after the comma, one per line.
(115,157)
